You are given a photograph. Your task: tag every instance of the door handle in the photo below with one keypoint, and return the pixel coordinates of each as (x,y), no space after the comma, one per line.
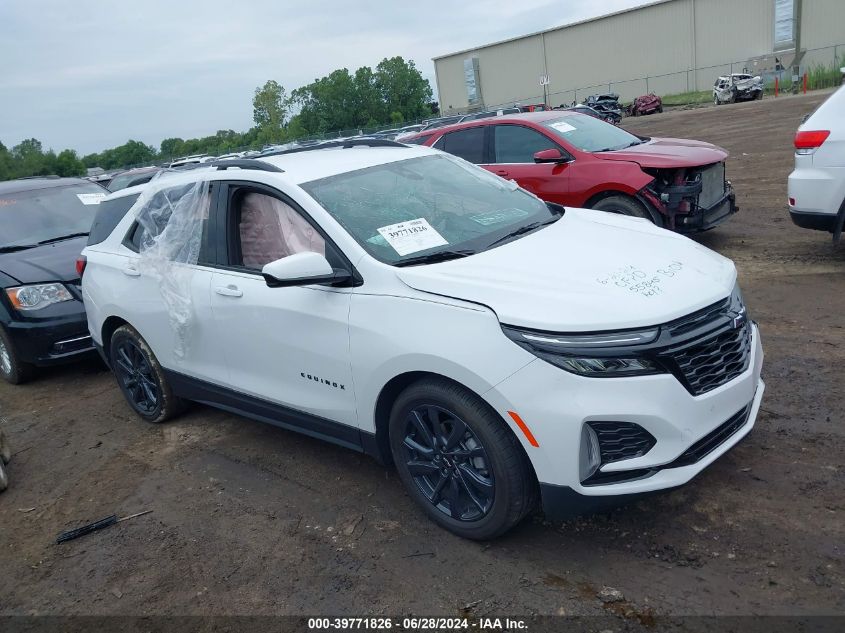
(502,172)
(229,291)
(131,270)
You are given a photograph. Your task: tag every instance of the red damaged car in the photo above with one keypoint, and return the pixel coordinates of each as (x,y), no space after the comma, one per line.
(579,161)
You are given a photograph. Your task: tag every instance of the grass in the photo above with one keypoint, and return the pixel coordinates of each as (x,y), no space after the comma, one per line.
(688,98)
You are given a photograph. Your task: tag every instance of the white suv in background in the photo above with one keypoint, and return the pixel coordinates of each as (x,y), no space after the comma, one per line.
(817,185)
(399,301)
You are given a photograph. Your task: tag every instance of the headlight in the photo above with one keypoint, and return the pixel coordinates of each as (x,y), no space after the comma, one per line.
(597,355)
(39,296)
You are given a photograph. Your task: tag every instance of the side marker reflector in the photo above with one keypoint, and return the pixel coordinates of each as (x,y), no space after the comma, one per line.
(524,428)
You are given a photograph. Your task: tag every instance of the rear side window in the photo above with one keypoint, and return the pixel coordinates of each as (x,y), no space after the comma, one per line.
(157,212)
(466,144)
(109,215)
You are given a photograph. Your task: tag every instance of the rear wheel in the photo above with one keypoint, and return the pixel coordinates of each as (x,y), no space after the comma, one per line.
(625,205)
(141,378)
(4,479)
(459,461)
(12,369)
(5,449)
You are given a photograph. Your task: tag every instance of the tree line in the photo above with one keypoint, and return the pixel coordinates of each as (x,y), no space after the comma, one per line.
(391,93)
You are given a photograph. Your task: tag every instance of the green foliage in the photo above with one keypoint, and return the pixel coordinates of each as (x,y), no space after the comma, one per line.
(69,164)
(392,93)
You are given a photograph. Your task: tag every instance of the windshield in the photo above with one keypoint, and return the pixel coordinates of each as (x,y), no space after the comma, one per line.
(37,215)
(427,205)
(590,134)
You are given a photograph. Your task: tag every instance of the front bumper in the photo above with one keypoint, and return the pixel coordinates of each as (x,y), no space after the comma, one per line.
(706,219)
(555,405)
(45,342)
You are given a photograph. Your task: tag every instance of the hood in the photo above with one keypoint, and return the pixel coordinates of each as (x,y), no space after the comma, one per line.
(668,153)
(589,271)
(51,262)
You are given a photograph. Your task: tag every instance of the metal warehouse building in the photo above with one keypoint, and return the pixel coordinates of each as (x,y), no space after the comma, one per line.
(666,47)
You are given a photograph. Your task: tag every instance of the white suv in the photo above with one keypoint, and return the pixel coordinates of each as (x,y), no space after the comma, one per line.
(399,301)
(817,185)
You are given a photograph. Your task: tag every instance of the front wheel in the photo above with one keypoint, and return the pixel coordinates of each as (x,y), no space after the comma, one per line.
(12,369)
(141,378)
(459,461)
(624,205)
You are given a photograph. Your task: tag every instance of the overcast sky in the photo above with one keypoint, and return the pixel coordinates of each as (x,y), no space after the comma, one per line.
(91,74)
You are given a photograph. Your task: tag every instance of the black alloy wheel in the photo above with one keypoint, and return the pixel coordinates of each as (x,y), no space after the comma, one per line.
(136,377)
(141,378)
(448,463)
(459,460)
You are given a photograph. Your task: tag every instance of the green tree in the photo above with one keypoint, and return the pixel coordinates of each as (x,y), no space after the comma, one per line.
(29,159)
(270,105)
(69,164)
(403,89)
(172,147)
(5,163)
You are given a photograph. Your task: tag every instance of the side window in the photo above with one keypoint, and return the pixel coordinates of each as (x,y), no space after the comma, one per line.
(157,212)
(267,229)
(518,144)
(467,144)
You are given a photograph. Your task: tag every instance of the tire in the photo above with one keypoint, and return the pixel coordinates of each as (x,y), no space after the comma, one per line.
(659,109)
(4,478)
(625,205)
(12,369)
(716,99)
(478,483)
(141,378)
(5,449)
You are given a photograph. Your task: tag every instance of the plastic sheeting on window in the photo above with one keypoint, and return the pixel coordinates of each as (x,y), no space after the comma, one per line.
(172,220)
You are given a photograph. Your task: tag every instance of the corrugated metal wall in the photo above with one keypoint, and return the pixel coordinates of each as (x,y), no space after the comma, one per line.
(650,49)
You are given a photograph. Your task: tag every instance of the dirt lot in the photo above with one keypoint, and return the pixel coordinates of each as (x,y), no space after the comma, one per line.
(250,519)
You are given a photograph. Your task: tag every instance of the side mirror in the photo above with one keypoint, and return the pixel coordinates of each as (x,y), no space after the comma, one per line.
(549,156)
(303,269)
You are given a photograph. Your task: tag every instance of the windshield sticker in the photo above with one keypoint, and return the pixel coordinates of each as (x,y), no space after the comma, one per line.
(7,202)
(499,216)
(412,236)
(562,126)
(377,240)
(639,281)
(90,198)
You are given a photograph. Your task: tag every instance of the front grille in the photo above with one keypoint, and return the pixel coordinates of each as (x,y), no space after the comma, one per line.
(621,440)
(712,440)
(712,185)
(716,360)
(692,455)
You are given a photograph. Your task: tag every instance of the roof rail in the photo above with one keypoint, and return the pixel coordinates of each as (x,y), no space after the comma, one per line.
(243,163)
(47,176)
(345,144)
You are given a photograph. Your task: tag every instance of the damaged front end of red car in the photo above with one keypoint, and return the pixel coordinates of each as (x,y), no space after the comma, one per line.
(691,199)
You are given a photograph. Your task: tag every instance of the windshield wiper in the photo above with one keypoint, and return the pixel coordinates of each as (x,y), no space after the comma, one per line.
(16,247)
(433,258)
(523,230)
(616,149)
(61,238)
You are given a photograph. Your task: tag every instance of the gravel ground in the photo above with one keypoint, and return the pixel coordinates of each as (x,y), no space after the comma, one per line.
(251,519)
